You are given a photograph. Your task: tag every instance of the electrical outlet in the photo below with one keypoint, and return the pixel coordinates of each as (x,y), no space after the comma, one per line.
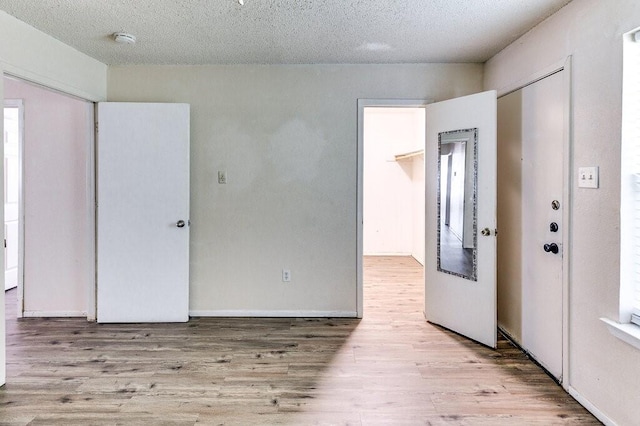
(222,177)
(286,276)
(588,177)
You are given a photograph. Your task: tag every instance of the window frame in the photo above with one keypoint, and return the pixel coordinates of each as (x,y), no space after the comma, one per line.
(624,328)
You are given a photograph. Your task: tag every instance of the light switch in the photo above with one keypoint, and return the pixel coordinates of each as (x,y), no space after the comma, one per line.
(588,177)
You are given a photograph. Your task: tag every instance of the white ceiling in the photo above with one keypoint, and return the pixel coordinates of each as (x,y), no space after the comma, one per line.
(286,31)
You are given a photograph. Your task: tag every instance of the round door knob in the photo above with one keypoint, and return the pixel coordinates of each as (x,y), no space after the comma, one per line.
(180,224)
(551,248)
(486,232)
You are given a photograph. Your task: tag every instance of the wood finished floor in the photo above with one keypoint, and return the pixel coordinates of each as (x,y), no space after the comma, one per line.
(390,368)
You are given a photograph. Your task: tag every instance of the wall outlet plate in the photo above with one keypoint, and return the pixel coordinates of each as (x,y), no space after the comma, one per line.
(286,276)
(588,177)
(222,177)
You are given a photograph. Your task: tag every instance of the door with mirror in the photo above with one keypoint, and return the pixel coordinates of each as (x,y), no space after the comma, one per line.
(460,163)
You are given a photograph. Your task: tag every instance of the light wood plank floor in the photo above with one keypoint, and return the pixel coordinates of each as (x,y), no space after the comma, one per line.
(391,368)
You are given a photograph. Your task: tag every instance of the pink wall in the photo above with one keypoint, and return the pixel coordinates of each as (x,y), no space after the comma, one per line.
(59,253)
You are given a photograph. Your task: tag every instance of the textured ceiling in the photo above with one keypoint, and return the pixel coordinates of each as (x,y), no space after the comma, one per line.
(286,31)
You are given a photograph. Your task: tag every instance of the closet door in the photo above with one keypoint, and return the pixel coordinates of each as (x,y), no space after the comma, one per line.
(142,212)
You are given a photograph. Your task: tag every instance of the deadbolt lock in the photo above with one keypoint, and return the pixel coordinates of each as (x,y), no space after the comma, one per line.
(555,204)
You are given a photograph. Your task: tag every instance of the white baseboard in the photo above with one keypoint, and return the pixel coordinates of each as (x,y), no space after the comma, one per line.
(53,314)
(395,253)
(589,406)
(273,314)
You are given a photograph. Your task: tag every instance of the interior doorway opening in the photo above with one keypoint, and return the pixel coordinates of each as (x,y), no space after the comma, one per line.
(391,184)
(13,133)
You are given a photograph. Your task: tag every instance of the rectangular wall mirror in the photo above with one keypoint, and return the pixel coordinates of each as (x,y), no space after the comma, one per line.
(457,195)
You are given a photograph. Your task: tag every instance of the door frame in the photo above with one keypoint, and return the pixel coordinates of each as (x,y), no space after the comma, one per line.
(18,103)
(362,104)
(91,197)
(567,150)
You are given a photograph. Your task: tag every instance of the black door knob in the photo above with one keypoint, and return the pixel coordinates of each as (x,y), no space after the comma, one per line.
(553,227)
(551,248)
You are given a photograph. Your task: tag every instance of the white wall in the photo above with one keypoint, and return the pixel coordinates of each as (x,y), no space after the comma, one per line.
(602,368)
(58,236)
(287,137)
(417,182)
(31,54)
(388,185)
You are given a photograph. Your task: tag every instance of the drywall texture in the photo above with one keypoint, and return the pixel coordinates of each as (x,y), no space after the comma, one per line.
(286,32)
(36,56)
(287,138)
(388,225)
(58,232)
(601,366)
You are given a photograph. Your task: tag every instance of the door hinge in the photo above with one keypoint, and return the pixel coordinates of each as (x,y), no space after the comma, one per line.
(96,127)
(5,243)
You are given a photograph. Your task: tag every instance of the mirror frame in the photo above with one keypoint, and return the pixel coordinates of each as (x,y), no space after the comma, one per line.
(470,136)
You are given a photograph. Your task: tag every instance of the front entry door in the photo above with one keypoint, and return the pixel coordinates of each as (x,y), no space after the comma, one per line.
(542,214)
(460,270)
(143,212)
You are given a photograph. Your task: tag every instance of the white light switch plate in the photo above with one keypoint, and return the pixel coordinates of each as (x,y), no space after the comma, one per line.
(588,177)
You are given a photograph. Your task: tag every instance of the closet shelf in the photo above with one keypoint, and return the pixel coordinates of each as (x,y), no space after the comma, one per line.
(408,155)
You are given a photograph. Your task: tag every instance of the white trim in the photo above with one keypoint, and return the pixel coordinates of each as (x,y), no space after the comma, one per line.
(362,104)
(545,72)
(567,214)
(589,406)
(91,298)
(628,333)
(54,314)
(272,314)
(403,254)
(41,80)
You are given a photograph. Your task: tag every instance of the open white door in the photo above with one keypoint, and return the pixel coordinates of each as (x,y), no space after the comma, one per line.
(143,212)
(460,267)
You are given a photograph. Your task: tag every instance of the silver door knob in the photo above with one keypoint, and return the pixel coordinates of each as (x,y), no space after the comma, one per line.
(180,224)
(486,232)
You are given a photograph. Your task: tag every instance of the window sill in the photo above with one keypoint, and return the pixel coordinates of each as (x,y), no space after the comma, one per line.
(629,333)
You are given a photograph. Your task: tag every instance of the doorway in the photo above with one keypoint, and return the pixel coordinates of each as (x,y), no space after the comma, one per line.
(13,132)
(57,212)
(391,135)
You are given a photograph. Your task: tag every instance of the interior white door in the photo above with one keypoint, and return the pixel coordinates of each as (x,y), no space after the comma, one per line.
(11,194)
(142,212)
(463,305)
(542,183)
